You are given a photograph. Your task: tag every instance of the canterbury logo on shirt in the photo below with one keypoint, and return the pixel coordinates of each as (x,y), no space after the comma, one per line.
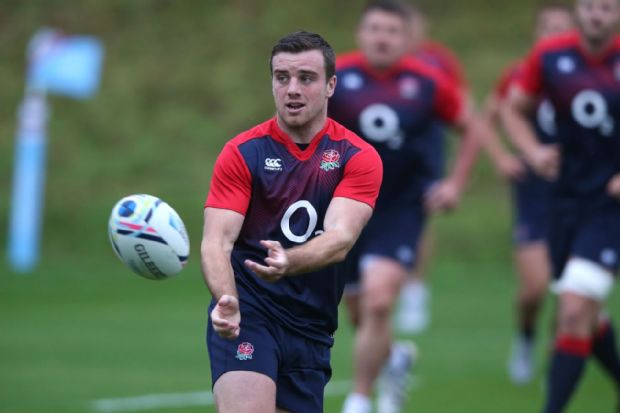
(273,164)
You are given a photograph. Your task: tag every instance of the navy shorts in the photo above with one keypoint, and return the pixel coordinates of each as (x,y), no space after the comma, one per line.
(532,198)
(577,230)
(394,233)
(300,367)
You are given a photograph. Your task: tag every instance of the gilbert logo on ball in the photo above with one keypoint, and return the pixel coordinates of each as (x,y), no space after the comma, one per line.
(148,236)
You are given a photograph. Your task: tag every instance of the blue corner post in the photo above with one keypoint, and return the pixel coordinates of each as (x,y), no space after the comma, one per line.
(60,65)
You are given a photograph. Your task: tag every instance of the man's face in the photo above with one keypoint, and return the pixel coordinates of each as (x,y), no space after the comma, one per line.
(598,19)
(553,21)
(382,37)
(300,88)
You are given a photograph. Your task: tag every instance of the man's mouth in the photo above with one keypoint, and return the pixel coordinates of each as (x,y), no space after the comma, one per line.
(295,106)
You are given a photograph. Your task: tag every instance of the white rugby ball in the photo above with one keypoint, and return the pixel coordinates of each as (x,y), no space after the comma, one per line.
(148,236)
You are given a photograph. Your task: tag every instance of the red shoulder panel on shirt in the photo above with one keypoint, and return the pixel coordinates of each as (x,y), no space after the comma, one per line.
(350,59)
(231,182)
(568,39)
(450,63)
(510,74)
(363,174)
(448,101)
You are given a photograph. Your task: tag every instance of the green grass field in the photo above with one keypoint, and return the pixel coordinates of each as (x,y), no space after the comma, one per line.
(180,78)
(83,328)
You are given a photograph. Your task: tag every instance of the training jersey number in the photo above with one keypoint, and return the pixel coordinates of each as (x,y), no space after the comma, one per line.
(285,224)
(590,110)
(380,123)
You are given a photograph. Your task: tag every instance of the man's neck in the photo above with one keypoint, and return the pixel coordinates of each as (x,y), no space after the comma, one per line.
(303,134)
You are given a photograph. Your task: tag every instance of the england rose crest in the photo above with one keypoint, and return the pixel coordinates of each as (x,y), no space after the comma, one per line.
(330,160)
(245,351)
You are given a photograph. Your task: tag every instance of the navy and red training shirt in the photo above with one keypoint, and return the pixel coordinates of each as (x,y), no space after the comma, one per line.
(284,192)
(585,92)
(396,111)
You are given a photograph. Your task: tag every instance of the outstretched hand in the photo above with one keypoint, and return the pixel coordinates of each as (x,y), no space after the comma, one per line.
(442,197)
(510,168)
(225,317)
(277,262)
(545,160)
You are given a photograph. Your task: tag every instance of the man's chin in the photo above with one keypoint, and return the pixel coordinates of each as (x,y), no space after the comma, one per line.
(597,36)
(382,62)
(293,121)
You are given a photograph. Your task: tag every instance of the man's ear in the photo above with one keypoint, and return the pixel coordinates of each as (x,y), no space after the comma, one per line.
(331,86)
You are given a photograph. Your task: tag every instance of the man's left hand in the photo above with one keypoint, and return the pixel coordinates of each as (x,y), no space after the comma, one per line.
(277,262)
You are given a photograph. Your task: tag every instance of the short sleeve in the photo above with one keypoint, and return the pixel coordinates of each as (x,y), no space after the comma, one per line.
(449,101)
(362,178)
(452,67)
(455,71)
(503,84)
(231,183)
(530,79)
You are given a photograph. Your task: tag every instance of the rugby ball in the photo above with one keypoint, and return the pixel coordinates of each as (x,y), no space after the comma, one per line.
(148,236)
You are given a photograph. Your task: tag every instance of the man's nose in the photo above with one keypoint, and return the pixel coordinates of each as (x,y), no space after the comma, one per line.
(293,87)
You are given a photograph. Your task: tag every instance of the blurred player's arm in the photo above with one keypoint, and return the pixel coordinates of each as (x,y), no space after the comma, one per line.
(446,194)
(544,159)
(520,100)
(507,165)
(347,214)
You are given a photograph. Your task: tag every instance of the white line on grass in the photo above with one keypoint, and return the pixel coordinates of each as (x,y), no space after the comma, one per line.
(177,400)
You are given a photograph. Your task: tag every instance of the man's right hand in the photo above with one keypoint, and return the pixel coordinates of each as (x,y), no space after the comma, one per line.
(226,317)
(545,161)
(510,167)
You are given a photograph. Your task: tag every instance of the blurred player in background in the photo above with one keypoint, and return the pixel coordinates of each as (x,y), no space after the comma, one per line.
(413,311)
(288,199)
(393,101)
(532,200)
(580,75)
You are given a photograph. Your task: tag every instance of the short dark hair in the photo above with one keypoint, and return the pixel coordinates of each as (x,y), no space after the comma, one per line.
(303,41)
(404,10)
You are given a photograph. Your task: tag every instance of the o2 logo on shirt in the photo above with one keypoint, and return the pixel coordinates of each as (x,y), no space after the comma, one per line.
(380,123)
(285,224)
(590,110)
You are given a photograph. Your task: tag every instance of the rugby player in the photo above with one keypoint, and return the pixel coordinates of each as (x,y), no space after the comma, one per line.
(288,199)
(579,73)
(392,100)
(532,200)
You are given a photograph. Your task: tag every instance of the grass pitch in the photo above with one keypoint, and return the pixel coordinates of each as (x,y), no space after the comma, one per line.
(179,79)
